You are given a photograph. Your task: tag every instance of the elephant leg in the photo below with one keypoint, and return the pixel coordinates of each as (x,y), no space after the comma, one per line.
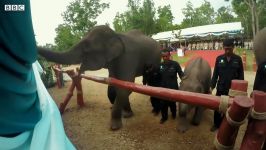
(121,102)
(127,111)
(183,123)
(197,115)
(111,93)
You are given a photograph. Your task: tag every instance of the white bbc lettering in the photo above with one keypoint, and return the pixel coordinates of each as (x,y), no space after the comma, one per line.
(21,7)
(14,7)
(7,7)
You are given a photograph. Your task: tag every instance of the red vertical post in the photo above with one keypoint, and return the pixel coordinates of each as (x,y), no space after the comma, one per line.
(78,78)
(63,105)
(255,135)
(238,87)
(235,115)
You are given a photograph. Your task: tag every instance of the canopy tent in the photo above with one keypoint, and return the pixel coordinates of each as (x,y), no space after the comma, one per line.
(200,31)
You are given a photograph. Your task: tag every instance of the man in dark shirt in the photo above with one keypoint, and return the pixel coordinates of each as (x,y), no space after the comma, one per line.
(228,66)
(152,77)
(169,70)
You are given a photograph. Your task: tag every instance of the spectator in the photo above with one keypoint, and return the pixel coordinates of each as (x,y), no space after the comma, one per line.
(228,66)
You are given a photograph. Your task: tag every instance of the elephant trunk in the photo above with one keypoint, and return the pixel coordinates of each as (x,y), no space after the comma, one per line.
(70,57)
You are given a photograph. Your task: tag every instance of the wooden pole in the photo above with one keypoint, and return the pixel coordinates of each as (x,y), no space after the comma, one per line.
(76,83)
(255,135)
(205,100)
(235,116)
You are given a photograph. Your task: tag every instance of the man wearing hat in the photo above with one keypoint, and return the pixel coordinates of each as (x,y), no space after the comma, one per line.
(228,67)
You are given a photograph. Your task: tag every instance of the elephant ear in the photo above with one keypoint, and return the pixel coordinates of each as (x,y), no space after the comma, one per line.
(115,47)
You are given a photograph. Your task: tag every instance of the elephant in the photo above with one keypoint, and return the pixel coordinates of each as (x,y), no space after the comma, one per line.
(259,46)
(123,54)
(197,78)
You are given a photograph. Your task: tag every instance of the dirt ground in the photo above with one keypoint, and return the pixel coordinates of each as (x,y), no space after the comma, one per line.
(88,127)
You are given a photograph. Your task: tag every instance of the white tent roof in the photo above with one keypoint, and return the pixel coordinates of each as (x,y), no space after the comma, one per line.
(201,31)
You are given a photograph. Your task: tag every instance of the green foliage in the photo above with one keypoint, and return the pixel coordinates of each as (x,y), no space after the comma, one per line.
(137,17)
(47,76)
(182,60)
(147,14)
(202,15)
(244,15)
(165,19)
(224,15)
(249,57)
(243,10)
(65,38)
(79,18)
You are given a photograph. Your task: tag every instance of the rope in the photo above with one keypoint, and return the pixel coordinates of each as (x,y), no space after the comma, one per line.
(234,93)
(224,103)
(232,122)
(220,146)
(258,115)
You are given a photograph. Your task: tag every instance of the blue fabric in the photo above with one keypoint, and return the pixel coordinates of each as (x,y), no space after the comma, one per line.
(19,103)
(48,134)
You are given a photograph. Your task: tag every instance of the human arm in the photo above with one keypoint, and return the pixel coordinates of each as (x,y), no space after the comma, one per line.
(179,70)
(215,75)
(241,70)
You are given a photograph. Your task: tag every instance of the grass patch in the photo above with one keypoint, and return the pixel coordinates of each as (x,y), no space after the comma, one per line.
(249,57)
(182,60)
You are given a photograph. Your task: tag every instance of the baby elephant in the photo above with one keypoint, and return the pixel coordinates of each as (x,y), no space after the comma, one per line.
(197,78)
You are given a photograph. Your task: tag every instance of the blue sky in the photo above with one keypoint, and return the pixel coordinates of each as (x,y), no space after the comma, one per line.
(46,14)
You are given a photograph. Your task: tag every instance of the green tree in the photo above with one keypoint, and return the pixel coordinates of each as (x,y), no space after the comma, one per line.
(224,15)
(165,19)
(79,17)
(244,15)
(147,15)
(120,23)
(251,13)
(202,15)
(189,14)
(137,17)
(65,38)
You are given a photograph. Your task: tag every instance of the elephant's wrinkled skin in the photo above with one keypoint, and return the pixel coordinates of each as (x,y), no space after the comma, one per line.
(124,55)
(197,78)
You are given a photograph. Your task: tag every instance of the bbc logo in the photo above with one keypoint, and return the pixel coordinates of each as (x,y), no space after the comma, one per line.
(14,7)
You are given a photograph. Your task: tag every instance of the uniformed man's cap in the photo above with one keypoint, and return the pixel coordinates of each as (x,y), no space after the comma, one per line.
(228,42)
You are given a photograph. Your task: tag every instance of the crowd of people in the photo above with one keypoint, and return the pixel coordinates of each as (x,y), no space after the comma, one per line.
(207,45)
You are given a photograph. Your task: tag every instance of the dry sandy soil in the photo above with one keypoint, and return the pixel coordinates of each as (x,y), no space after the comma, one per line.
(88,127)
